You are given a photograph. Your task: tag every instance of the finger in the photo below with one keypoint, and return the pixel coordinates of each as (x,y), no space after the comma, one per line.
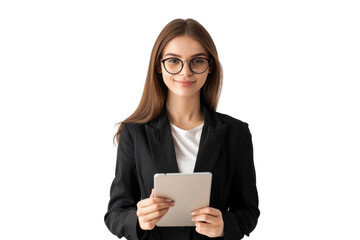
(208,229)
(206,210)
(152,195)
(203,228)
(153,208)
(150,201)
(154,215)
(206,218)
(150,224)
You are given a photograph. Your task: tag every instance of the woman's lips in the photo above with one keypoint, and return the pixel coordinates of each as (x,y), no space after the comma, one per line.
(185,83)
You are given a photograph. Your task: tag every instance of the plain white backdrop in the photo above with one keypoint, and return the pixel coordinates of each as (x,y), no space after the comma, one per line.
(70,70)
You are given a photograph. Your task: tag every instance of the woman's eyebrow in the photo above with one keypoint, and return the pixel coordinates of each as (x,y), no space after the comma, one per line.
(177,55)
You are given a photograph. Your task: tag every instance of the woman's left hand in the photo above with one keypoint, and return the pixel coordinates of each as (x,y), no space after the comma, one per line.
(209,222)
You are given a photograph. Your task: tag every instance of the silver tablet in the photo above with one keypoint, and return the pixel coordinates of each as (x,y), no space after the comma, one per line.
(190,191)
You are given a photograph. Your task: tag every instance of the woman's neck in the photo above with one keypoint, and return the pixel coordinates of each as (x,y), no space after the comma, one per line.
(184,112)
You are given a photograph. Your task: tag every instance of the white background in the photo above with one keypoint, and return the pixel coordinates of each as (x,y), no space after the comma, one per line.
(70,70)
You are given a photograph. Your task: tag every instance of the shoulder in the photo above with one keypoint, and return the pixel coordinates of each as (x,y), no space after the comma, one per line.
(132,127)
(237,131)
(232,122)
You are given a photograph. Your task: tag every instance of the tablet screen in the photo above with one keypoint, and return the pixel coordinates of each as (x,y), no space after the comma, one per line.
(190,191)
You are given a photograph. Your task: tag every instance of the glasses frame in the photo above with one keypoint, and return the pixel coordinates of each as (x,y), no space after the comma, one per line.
(182,64)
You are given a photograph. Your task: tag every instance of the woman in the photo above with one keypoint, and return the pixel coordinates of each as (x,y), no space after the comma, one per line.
(176,129)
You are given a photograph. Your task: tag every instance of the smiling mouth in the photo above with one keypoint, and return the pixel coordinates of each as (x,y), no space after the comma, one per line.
(185,83)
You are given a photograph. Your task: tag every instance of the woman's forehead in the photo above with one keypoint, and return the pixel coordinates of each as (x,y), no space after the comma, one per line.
(184,46)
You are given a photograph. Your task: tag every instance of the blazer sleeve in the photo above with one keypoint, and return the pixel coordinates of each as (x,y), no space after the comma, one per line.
(121,218)
(243,213)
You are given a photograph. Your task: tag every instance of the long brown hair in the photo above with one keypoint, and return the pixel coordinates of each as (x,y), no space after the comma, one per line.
(155,91)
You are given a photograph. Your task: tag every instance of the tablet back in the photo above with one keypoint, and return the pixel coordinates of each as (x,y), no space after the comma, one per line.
(189,191)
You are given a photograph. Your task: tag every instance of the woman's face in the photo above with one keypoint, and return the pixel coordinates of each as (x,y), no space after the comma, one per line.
(185,83)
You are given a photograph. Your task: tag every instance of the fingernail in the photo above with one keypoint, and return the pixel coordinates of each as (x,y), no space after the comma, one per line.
(193,213)
(168,200)
(173,203)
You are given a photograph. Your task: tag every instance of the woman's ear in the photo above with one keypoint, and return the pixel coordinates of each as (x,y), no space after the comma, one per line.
(211,65)
(158,69)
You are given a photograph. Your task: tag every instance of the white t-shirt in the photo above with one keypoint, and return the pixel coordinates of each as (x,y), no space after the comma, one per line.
(186,144)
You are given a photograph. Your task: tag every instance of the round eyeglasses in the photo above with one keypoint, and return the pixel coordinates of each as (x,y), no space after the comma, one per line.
(197,65)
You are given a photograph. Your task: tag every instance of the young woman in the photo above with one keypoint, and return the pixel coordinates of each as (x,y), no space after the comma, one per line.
(176,129)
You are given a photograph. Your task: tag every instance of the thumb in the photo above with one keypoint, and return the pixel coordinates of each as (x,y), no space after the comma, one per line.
(152,195)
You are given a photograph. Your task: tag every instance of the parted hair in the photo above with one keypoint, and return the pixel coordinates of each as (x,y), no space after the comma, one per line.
(155,91)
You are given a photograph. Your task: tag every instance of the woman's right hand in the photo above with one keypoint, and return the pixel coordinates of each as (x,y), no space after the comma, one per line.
(151,210)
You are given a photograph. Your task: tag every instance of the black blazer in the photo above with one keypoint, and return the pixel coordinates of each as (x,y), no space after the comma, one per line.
(225,150)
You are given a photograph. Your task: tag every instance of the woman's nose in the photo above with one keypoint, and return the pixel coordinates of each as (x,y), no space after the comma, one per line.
(186,71)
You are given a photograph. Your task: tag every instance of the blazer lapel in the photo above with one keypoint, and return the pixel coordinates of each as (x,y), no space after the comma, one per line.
(211,141)
(161,144)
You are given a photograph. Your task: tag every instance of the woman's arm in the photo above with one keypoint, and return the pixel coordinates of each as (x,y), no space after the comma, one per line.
(129,216)
(241,218)
(243,212)
(121,216)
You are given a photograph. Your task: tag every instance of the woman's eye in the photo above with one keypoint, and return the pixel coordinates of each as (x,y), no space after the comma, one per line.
(173,61)
(198,61)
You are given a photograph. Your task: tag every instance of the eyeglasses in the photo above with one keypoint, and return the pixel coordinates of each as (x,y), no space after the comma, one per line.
(197,65)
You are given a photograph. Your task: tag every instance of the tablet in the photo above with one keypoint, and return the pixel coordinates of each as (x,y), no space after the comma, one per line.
(190,191)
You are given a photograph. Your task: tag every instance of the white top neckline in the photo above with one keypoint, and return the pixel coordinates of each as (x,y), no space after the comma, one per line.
(190,130)
(186,144)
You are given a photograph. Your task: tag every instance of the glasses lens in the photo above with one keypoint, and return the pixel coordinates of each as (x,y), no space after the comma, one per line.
(173,65)
(199,65)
